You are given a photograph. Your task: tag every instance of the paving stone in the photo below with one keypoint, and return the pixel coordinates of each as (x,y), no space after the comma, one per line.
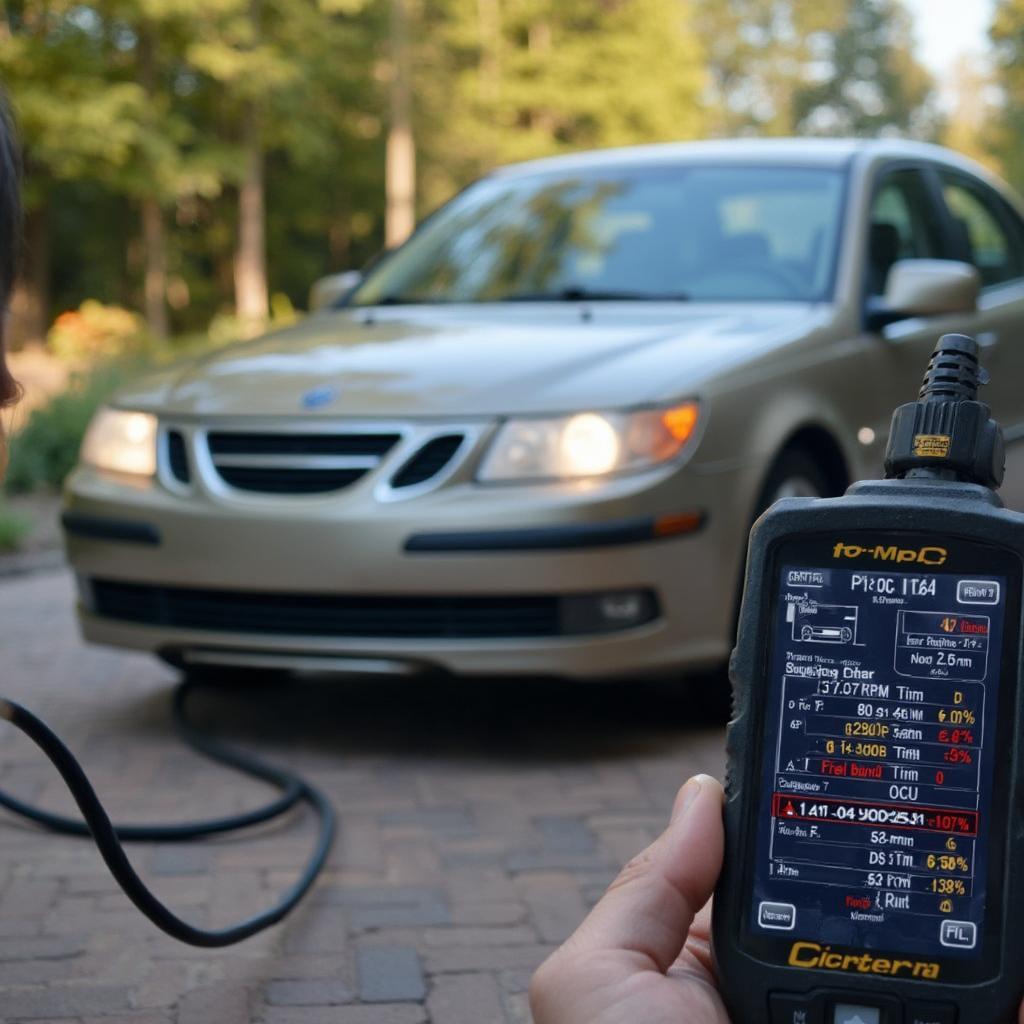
(49,948)
(466,999)
(478,936)
(380,1013)
(389,974)
(307,992)
(216,1004)
(62,1000)
(486,913)
(566,835)
(181,860)
(546,860)
(463,856)
(556,906)
(443,821)
(459,959)
(130,1018)
(317,931)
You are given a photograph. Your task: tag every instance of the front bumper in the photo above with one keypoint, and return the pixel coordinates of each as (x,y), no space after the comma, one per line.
(352,546)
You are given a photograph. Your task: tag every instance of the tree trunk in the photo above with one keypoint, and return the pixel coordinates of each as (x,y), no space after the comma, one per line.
(252,305)
(251,300)
(30,300)
(155,274)
(400,170)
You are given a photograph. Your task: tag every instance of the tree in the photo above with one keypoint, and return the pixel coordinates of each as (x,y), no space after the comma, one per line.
(871,82)
(1007,135)
(836,67)
(968,127)
(501,80)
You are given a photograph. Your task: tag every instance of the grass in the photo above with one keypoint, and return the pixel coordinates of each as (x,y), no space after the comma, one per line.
(45,449)
(13,528)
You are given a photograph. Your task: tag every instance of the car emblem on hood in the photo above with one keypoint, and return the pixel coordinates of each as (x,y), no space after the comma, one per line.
(316,397)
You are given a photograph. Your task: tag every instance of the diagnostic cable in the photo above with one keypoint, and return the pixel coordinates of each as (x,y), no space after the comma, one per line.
(109,837)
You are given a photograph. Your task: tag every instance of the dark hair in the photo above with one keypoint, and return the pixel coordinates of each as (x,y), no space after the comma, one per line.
(10,233)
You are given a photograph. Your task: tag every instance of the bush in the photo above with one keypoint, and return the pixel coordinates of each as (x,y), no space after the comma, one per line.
(13,528)
(45,449)
(97,332)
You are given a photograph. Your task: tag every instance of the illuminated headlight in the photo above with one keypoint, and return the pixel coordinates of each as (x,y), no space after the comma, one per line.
(588,444)
(122,442)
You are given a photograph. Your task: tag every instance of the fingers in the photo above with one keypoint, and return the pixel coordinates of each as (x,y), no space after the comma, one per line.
(649,908)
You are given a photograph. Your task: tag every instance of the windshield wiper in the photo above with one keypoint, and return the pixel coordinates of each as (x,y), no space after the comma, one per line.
(401,300)
(575,293)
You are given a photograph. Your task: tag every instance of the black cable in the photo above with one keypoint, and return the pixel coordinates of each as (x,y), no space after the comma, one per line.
(108,837)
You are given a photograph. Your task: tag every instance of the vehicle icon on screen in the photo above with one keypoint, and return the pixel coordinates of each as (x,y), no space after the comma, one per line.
(822,623)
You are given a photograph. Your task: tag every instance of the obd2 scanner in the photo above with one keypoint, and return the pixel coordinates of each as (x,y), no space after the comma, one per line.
(874,869)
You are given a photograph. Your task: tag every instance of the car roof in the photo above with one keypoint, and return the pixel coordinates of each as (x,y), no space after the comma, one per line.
(812,152)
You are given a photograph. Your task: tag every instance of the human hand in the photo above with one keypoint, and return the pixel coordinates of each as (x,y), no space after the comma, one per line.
(643,954)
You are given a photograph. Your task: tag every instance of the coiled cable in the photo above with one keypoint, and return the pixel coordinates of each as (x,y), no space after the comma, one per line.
(109,837)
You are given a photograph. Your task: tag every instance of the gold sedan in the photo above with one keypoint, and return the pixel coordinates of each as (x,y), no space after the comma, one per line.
(533,439)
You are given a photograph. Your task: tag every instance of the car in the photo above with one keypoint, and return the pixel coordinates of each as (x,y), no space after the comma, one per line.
(532,440)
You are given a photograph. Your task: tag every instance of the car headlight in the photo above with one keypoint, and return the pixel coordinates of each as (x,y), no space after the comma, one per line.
(122,442)
(588,444)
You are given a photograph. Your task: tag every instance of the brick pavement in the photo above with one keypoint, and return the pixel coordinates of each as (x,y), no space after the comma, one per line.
(478,821)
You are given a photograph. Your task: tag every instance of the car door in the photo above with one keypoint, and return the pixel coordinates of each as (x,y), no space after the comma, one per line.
(905,221)
(983,229)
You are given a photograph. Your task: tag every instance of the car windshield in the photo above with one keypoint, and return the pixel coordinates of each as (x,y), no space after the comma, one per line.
(674,233)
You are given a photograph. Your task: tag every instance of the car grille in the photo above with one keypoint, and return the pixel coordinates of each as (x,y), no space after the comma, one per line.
(291,463)
(177,456)
(428,461)
(328,615)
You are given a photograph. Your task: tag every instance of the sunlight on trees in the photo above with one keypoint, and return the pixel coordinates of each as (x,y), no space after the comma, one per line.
(190,159)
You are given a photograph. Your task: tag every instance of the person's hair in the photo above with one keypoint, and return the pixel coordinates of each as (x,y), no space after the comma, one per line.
(10,234)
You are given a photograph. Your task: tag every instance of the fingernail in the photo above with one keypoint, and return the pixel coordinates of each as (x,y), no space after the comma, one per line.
(687,795)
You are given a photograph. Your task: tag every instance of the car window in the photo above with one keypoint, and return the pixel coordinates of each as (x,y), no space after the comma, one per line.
(700,233)
(902,226)
(979,231)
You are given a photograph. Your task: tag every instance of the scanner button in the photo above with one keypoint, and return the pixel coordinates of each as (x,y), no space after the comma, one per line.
(977,591)
(846,1013)
(777,915)
(931,1013)
(790,1009)
(958,934)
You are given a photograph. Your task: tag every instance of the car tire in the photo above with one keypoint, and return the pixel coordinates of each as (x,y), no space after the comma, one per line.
(796,474)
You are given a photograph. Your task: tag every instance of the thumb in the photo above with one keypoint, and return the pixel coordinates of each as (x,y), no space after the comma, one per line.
(649,908)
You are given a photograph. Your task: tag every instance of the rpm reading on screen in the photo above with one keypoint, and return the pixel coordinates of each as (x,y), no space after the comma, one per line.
(881,720)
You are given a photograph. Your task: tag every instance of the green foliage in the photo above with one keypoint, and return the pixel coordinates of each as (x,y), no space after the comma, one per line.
(13,528)
(95,332)
(835,67)
(137,101)
(45,449)
(1007,134)
(874,84)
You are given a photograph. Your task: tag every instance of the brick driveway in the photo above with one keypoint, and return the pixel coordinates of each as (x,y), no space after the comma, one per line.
(478,821)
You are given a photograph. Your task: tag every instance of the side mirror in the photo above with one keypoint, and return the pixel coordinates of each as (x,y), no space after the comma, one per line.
(329,290)
(926,288)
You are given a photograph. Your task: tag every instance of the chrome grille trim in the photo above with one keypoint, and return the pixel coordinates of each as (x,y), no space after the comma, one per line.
(411,437)
(272,462)
(299,461)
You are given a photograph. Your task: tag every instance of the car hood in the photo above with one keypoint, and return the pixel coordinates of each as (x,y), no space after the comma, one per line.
(475,360)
